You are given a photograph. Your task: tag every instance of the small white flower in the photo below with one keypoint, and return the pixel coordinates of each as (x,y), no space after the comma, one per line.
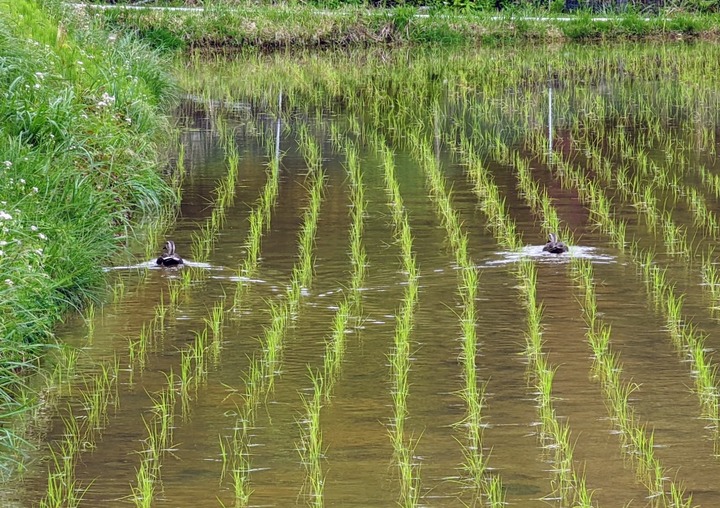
(5,216)
(9,282)
(22,181)
(3,243)
(33,228)
(35,190)
(42,236)
(40,75)
(7,164)
(39,252)
(2,252)
(36,86)
(79,62)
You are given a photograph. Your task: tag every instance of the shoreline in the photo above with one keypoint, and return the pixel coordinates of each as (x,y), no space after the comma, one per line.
(300,27)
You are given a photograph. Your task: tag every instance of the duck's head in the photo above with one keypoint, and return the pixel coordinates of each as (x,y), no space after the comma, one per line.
(169,248)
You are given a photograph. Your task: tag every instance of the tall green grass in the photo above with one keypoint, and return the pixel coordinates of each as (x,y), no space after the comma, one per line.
(79,124)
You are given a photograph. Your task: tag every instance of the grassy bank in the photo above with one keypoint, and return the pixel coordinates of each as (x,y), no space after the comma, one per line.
(283,26)
(78,162)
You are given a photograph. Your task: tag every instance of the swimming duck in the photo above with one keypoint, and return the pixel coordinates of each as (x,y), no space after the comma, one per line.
(554,246)
(168,257)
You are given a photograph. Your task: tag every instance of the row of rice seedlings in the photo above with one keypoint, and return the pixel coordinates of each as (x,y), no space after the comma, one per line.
(261,374)
(323,381)
(687,338)
(358,256)
(63,489)
(491,204)
(194,367)
(159,428)
(98,396)
(80,434)
(303,271)
(641,193)
(259,222)
(310,446)
(637,441)
(711,283)
(710,181)
(406,462)
(203,241)
(335,347)
(483,483)
(569,486)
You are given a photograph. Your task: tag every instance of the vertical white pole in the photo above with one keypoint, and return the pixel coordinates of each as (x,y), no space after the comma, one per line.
(550,123)
(277,128)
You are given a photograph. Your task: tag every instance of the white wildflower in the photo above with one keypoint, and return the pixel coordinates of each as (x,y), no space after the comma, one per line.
(7,164)
(9,282)
(42,236)
(5,216)
(33,228)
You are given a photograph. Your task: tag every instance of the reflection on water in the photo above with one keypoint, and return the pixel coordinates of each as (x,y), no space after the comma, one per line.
(152,265)
(536,252)
(358,462)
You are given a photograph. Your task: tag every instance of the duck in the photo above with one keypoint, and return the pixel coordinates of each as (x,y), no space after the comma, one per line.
(168,257)
(553,246)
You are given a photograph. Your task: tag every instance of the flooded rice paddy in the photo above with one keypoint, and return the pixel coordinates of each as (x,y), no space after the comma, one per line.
(367,317)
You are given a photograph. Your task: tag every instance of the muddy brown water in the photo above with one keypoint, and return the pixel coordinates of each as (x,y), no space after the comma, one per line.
(358,461)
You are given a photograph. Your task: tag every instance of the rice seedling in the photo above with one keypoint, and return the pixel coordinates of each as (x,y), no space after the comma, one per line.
(215,325)
(236,459)
(310,446)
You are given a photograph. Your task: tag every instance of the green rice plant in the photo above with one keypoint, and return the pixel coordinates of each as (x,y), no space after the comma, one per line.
(215,323)
(174,293)
(185,381)
(158,322)
(143,491)
(240,464)
(310,446)
(118,290)
(89,319)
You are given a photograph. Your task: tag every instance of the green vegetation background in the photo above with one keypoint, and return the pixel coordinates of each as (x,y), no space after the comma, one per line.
(83,110)
(80,116)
